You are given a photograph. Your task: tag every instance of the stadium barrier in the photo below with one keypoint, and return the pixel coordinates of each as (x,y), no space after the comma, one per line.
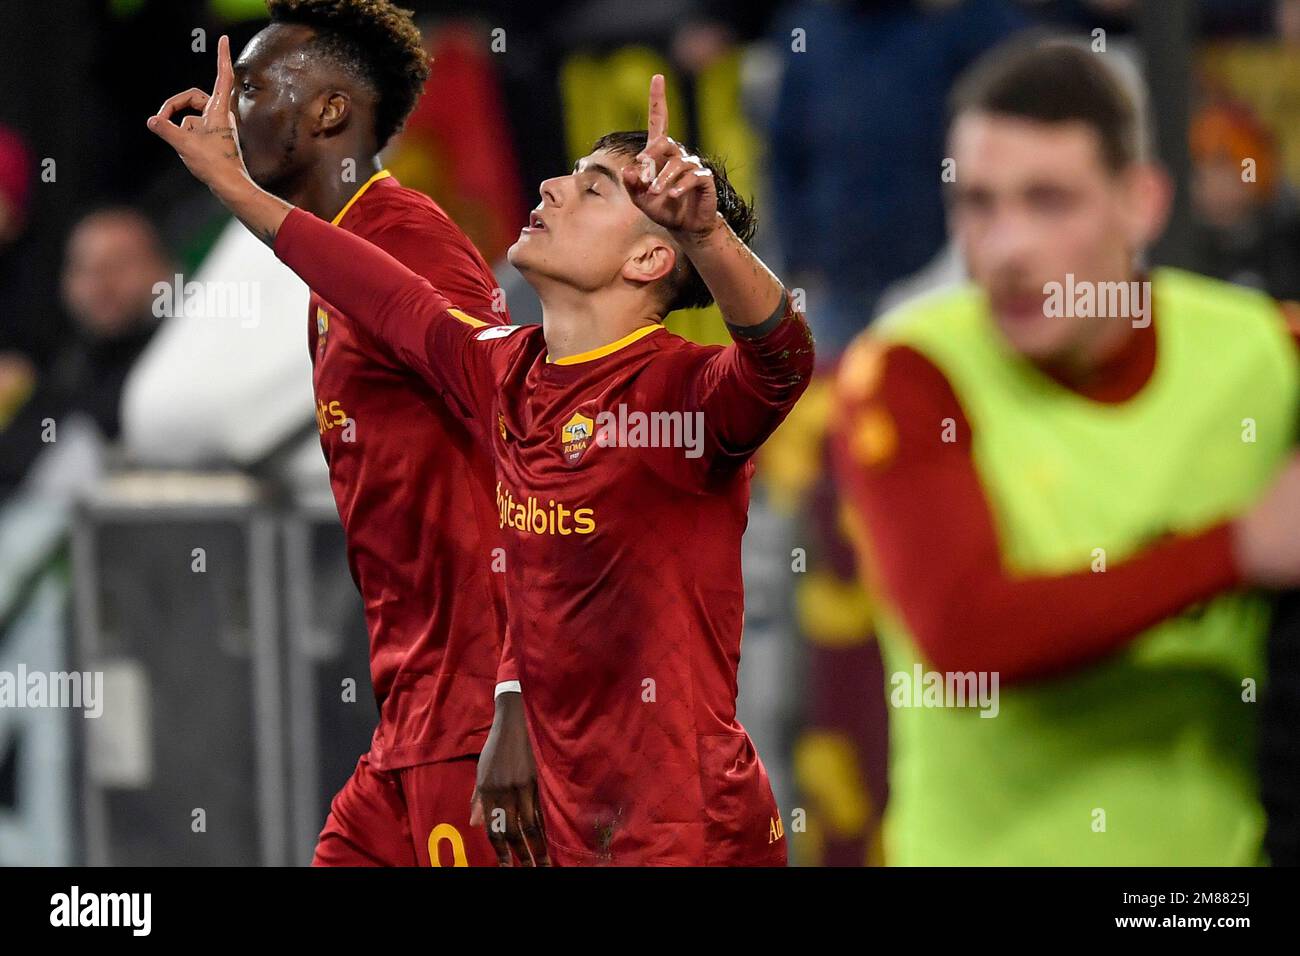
(233,655)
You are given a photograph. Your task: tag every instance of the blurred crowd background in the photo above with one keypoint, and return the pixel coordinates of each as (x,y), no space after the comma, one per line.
(137,451)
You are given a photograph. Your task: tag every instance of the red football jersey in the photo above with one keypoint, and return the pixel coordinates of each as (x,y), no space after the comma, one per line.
(622,485)
(414,496)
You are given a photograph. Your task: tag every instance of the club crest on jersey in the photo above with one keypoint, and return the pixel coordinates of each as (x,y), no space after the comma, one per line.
(322,327)
(575,435)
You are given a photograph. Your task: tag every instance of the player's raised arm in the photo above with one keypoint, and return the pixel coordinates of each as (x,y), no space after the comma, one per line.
(674,189)
(746,389)
(356,276)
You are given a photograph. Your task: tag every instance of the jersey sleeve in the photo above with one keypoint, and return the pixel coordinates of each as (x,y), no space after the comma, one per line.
(903,450)
(742,392)
(418,325)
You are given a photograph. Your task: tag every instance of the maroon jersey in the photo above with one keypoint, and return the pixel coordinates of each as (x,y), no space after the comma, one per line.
(622,484)
(415,501)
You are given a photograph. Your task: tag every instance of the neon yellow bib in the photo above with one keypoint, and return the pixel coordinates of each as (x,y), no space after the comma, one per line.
(1146,758)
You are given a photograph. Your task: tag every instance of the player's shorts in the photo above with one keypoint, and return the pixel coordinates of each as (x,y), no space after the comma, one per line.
(415,816)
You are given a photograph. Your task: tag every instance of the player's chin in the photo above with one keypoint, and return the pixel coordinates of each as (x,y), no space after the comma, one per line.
(520,255)
(1039,340)
(266,174)
(258,174)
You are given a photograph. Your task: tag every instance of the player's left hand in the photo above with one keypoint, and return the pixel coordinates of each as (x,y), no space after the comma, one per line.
(505,798)
(671,186)
(207,144)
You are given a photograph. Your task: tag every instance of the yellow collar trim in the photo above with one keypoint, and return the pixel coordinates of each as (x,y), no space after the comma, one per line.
(382,174)
(605,349)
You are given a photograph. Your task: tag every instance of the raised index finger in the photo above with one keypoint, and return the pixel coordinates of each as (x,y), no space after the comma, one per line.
(658,109)
(220,101)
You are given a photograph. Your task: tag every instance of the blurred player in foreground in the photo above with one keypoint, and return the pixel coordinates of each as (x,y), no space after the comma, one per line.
(319,93)
(1073,477)
(622,461)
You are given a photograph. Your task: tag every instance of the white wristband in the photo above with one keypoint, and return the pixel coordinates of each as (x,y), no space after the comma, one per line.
(507,687)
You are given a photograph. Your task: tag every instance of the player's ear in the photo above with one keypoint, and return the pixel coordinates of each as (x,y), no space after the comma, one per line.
(652,258)
(1149,200)
(335,108)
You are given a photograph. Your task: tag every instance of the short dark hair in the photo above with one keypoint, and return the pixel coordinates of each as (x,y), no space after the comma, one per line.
(684,289)
(1053,81)
(109,211)
(375,41)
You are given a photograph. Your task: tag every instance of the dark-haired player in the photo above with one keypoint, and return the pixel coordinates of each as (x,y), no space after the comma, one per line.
(623,580)
(319,92)
(1080,503)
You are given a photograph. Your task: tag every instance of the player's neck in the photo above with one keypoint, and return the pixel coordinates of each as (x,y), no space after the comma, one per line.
(1107,341)
(576,321)
(325,189)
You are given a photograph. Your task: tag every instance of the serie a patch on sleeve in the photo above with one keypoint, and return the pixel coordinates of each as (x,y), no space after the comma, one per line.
(496,332)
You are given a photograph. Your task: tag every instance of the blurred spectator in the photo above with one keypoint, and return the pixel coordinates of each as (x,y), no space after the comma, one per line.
(1262,73)
(17,374)
(112,263)
(15,185)
(857,143)
(1248,221)
(839,754)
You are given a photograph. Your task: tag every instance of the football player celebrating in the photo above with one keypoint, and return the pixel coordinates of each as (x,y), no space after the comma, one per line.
(622,456)
(318,93)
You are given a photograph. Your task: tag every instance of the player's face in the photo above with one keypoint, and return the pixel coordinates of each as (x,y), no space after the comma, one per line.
(585,228)
(1033,203)
(275,84)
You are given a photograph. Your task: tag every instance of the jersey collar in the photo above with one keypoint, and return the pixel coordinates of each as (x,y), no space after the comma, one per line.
(604,350)
(382,174)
